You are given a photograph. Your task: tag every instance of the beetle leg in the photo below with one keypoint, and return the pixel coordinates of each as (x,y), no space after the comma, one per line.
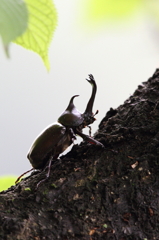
(90,130)
(48,173)
(89,139)
(23,175)
(72,134)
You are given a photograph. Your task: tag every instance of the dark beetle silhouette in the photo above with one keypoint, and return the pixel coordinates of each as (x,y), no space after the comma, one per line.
(60,135)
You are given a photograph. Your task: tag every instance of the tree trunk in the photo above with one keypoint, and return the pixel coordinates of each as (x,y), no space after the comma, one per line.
(95,193)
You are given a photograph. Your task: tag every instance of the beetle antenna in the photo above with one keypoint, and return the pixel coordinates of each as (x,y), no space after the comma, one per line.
(91,100)
(23,175)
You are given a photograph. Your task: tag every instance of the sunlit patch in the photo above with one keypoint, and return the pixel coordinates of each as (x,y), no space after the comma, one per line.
(96,12)
(6,182)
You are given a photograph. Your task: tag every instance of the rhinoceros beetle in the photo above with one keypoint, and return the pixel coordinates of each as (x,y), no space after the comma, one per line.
(60,135)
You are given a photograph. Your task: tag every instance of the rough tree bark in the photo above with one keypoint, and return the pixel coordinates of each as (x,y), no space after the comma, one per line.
(95,193)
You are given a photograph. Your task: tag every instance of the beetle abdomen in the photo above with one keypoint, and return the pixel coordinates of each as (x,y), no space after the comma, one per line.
(52,141)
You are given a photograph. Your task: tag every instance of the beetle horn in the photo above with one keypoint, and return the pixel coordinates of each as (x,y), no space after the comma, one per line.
(71,104)
(90,103)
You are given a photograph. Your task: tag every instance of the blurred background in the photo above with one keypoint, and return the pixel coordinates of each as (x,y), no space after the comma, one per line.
(121,53)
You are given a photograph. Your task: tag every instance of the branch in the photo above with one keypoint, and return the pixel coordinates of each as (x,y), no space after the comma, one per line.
(96,193)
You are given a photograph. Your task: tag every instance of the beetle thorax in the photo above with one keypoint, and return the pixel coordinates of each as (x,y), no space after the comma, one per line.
(71,117)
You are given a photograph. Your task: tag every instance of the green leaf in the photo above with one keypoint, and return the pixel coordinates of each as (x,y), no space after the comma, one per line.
(42,23)
(6,182)
(13,19)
